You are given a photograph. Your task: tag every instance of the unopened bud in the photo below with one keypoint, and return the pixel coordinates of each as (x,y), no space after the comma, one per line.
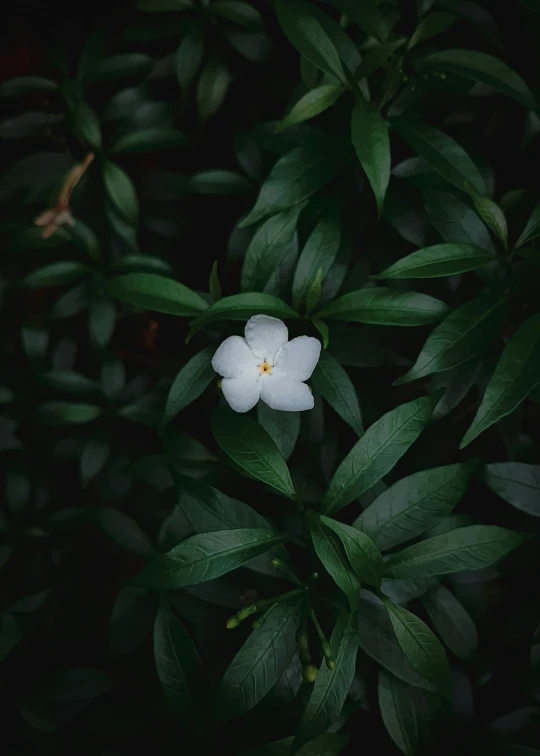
(309,673)
(232,622)
(330,663)
(246,612)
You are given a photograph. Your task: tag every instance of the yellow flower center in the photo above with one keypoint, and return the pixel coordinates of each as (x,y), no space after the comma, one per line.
(265,367)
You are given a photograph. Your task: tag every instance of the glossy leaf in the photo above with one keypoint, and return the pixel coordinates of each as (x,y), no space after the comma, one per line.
(206,556)
(369,135)
(438,260)
(331,686)
(67,413)
(56,274)
(430,26)
(451,621)
(319,253)
(311,104)
(334,559)
(376,453)
(189,56)
(121,192)
(242,307)
(258,665)
(282,427)
(382,306)
(456,221)
(470,548)
(466,332)
(212,88)
(148,140)
(252,449)
(422,649)
(517,483)
(148,291)
(367,15)
(532,228)
(515,376)
(362,553)
(414,504)
(333,383)
(190,383)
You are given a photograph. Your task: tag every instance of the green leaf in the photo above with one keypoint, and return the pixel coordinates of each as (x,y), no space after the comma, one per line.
(313,298)
(364,556)
(452,621)
(190,383)
(319,253)
(218,182)
(189,56)
(442,152)
(376,57)
(369,135)
(376,453)
(84,122)
(268,248)
(56,274)
(178,664)
(67,413)
(74,383)
(333,383)
(212,88)
(207,510)
(438,260)
(456,221)
(331,686)
(206,556)
(466,332)
(294,178)
(119,66)
(260,662)
(493,216)
(119,527)
(101,321)
(282,427)
(406,712)
(367,15)
(382,306)
(242,307)
(305,32)
(414,504)
(25,85)
(121,192)
(214,285)
(148,291)
(311,104)
(532,229)
(252,449)
(334,560)
(378,640)
(329,744)
(470,548)
(239,12)
(516,483)
(94,457)
(479,66)
(516,375)
(430,26)
(148,140)
(422,649)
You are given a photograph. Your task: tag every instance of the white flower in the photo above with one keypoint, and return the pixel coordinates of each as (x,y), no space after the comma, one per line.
(265,365)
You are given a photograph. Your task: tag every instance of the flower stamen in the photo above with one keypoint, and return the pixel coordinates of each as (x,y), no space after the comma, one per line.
(265,367)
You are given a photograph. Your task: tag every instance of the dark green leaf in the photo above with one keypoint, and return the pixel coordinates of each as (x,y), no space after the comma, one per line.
(319,253)
(25,85)
(56,274)
(466,332)
(119,66)
(293,179)
(422,649)
(240,12)
(516,483)
(469,548)
(438,260)
(378,640)
(206,556)
(67,413)
(456,221)
(369,135)
(218,182)
(121,192)
(430,26)
(382,306)
(376,57)
(74,383)
(376,453)
(252,449)
(148,291)
(212,88)
(178,664)
(148,140)
(331,686)
(479,66)
(190,383)
(242,307)
(333,383)
(282,427)
(311,104)
(532,229)
(452,621)
(444,154)
(367,15)
(362,553)
(84,122)
(334,559)
(189,56)
(260,662)
(516,374)
(101,321)
(493,217)
(94,457)
(414,504)
(120,527)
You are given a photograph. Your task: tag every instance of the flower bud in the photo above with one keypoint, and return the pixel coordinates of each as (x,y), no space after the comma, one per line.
(309,673)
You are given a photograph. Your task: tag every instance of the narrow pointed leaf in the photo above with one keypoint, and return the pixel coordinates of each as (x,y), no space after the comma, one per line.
(369,134)
(381,306)
(334,559)
(438,260)
(451,621)
(311,104)
(149,291)
(190,383)
(333,383)
(517,483)
(362,553)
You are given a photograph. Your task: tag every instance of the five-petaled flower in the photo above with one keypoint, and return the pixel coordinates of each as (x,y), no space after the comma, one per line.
(265,365)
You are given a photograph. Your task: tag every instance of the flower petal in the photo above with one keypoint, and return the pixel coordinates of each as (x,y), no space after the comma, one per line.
(235,359)
(241,393)
(265,335)
(286,394)
(298,358)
